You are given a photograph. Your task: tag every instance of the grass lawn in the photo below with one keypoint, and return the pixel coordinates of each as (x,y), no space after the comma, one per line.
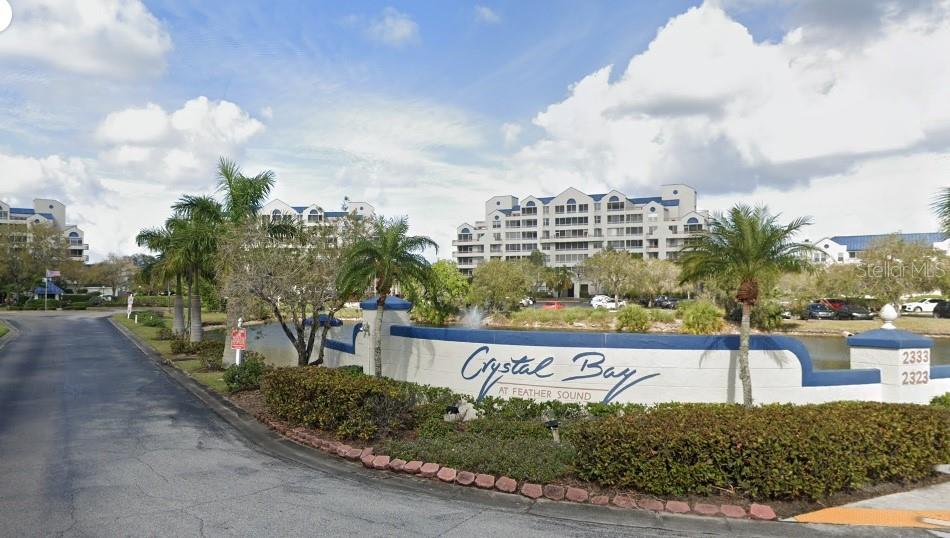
(918,324)
(192,367)
(3,329)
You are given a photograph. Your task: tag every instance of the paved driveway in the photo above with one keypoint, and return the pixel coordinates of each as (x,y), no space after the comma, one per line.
(96,440)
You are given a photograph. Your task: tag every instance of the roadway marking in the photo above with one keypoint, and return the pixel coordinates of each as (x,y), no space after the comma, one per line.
(922,519)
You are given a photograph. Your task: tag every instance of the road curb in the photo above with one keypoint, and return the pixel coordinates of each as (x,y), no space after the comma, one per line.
(270,442)
(11,334)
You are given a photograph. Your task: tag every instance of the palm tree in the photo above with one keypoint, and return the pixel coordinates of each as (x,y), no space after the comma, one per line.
(941,206)
(558,279)
(242,197)
(169,264)
(387,258)
(745,247)
(195,232)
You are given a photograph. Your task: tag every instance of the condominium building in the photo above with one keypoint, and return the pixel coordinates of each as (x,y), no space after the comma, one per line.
(848,248)
(572,226)
(49,212)
(313,213)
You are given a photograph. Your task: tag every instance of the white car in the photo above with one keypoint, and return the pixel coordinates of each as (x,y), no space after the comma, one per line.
(609,304)
(527,301)
(926,305)
(598,299)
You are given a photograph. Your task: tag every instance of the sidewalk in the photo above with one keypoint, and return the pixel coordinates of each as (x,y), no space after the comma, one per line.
(924,508)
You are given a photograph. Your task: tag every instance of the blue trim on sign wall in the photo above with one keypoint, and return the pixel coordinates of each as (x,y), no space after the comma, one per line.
(810,376)
(940,372)
(392,303)
(343,346)
(890,339)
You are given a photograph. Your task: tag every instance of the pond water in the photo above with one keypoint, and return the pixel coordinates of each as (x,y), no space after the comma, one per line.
(827,352)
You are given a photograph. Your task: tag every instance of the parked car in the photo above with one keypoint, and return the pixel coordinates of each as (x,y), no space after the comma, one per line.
(819,311)
(926,305)
(598,299)
(609,304)
(942,310)
(527,301)
(553,305)
(663,301)
(853,311)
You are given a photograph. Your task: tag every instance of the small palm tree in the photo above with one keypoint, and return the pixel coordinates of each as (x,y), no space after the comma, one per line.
(389,257)
(169,264)
(558,279)
(196,229)
(745,247)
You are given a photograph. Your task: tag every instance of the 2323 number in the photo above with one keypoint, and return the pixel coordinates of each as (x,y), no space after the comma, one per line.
(919,377)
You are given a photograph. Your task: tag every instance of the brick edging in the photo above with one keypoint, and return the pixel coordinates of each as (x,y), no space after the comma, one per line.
(503,484)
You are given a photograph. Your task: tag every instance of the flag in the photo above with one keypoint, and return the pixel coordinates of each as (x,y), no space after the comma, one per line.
(51,274)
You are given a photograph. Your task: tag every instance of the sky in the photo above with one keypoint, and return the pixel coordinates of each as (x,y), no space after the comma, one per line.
(835,110)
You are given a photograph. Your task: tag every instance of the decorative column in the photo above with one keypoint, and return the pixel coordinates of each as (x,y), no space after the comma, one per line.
(902,357)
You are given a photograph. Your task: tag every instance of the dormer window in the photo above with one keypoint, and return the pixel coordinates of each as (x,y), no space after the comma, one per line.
(314,216)
(275,215)
(615,204)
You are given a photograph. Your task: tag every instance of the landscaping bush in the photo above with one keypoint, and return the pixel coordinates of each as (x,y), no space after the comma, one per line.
(164,333)
(37,304)
(491,407)
(181,345)
(247,375)
(633,318)
(75,306)
(149,318)
(521,458)
(599,318)
(353,407)
(768,452)
(662,316)
(210,354)
(682,306)
(941,401)
(767,316)
(702,317)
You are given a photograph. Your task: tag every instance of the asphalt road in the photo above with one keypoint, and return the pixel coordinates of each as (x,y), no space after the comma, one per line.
(97,440)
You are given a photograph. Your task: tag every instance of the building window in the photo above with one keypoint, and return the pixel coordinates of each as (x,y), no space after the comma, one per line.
(275,215)
(597,207)
(313,216)
(596,219)
(615,204)
(615,219)
(4,215)
(529,209)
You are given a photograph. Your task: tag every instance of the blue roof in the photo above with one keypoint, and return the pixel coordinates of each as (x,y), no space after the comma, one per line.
(47,215)
(597,197)
(299,208)
(505,211)
(53,290)
(21,211)
(640,201)
(545,199)
(856,243)
(334,214)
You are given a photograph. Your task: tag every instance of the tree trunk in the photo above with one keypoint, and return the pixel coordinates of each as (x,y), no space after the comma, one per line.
(323,339)
(744,375)
(178,310)
(195,330)
(312,336)
(378,337)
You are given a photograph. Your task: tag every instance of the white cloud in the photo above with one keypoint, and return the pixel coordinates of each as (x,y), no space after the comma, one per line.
(707,105)
(486,15)
(116,38)
(393,28)
(180,147)
(511,132)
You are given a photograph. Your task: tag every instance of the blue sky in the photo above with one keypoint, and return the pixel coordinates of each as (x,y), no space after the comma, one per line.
(428,108)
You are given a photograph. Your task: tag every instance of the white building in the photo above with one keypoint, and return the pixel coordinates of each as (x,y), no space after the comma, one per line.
(314,214)
(848,248)
(572,226)
(51,212)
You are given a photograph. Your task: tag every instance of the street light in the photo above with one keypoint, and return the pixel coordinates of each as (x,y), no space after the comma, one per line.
(553,426)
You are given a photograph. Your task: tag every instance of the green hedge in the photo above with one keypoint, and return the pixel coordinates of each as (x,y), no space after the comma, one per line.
(352,406)
(247,375)
(768,452)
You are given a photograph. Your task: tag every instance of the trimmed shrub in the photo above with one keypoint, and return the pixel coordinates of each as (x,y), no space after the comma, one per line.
(681,307)
(181,346)
(768,452)
(37,304)
(353,407)
(941,401)
(521,458)
(247,375)
(164,333)
(210,354)
(633,318)
(702,317)
(75,306)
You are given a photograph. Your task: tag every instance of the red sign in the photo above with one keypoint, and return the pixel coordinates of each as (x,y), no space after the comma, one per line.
(238,338)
